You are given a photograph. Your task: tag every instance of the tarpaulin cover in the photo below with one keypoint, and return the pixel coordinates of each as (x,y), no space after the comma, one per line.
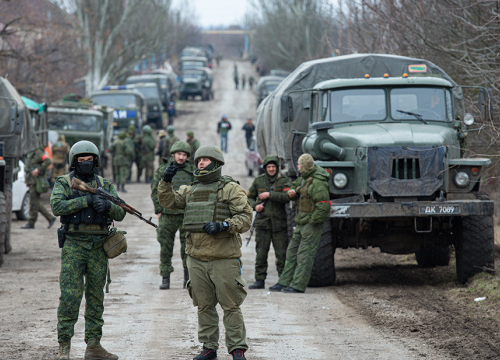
(273,135)
(380,170)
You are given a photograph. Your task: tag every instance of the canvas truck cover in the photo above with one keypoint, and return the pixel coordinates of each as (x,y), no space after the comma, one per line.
(16,130)
(273,135)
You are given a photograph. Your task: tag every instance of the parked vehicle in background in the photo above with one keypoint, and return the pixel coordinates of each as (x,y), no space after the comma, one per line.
(192,51)
(161,81)
(265,86)
(279,72)
(190,62)
(150,92)
(129,105)
(173,84)
(253,161)
(197,82)
(21,195)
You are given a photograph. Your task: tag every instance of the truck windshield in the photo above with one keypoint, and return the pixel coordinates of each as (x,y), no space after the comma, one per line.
(426,102)
(80,122)
(149,92)
(192,64)
(118,101)
(355,105)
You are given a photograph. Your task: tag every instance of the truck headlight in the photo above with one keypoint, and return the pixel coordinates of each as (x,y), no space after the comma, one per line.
(155,108)
(340,180)
(462,179)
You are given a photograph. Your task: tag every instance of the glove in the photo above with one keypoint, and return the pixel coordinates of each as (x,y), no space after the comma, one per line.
(169,173)
(90,199)
(212,227)
(101,205)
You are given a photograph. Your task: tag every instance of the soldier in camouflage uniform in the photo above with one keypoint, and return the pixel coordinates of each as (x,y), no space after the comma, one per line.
(313,207)
(170,140)
(170,220)
(268,196)
(137,140)
(148,146)
(130,160)
(83,261)
(60,152)
(216,213)
(122,153)
(36,166)
(193,144)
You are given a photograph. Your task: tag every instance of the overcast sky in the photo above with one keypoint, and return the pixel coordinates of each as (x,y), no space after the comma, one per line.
(217,12)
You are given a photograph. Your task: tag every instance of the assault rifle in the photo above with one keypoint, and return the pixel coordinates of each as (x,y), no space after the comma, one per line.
(252,228)
(80,185)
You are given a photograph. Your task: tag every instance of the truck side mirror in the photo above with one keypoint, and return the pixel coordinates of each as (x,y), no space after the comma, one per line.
(485,103)
(289,108)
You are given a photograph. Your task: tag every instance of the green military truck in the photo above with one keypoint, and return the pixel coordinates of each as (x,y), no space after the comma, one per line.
(391,132)
(17,139)
(80,121)
(197,82)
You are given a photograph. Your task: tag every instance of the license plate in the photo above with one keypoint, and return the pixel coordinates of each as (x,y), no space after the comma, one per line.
(439,210)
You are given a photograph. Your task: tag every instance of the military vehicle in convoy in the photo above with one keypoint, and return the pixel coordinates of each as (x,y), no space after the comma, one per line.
(265,86)
(391,132)
(197,82)
(17,139)
(82,121)
(173,83)
(192,62)
(161,81)
(155,108)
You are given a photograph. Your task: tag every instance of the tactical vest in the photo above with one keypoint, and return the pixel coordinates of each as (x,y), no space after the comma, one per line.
(203,205)
(59,153)
(86,220)
(306,204)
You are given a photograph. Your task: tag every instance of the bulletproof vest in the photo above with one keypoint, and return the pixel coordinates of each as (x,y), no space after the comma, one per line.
(86,220)
(203,205)
(306,204)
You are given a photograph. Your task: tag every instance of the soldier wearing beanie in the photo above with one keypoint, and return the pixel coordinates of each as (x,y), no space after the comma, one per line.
(313,206)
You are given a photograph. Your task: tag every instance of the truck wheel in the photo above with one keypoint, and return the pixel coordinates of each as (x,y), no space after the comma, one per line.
(3,225)
(474,247)
(24,213)
(323,272)
(8,215)
(432,255)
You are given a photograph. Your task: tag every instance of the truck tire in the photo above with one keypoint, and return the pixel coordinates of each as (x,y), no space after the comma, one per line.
(432,255)
(3,225)
(8,216)
(474,246)
(323,272)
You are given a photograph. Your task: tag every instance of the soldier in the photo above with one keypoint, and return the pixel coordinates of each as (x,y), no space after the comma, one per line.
(84,264)
(170,220)
(216,213)
(169,141)
(129,139)
(193,144)
(268,196)
(171,113)
(122,153)
(148,146)
(136,139)
(313,207)
(36,166)
(162,134)
(60,152)
(251,80)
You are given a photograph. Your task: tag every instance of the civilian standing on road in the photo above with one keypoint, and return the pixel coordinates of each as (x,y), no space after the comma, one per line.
(249,128)
(171,113)
(223,128)
(170,220)
(313,207)
(216,213)
(268,196)
(85,218)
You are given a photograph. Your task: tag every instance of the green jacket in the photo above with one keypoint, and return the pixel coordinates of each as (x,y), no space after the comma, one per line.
(168,142)
(273,216)
(319,194)
(148,146)
(36,160)
(122,152)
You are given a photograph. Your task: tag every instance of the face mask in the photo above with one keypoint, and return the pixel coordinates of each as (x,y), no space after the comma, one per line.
(85,167)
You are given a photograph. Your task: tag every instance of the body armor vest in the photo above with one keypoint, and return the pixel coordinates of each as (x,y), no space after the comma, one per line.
(306,204)
(86,220)
(203,206)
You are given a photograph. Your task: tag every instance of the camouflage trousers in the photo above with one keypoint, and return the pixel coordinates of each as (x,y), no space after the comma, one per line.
(121,174)
(212,282)
(148,166)
(300,256)
(36,207)
(82,270)
(263,240)
(168,225)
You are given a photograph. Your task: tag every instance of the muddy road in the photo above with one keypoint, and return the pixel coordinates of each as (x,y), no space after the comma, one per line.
(383,306)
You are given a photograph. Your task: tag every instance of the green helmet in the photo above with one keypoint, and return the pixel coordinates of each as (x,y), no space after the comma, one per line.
(131,128)
(147,129)
(211,152)
(83,147)
(180,146)
(190,134)
(170,129)
(122,135)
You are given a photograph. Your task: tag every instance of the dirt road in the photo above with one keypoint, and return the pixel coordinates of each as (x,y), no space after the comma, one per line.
(382,308)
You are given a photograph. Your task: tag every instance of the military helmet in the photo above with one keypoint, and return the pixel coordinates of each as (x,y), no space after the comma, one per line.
(190,134)
(147,129)
(162,133)
(122,135)
(180,146)
(170,129)
(83,147)
(211,152)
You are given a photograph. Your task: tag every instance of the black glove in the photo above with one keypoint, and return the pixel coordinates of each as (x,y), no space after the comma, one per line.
(101,205)
(169,173)
(215,227)
(90,199)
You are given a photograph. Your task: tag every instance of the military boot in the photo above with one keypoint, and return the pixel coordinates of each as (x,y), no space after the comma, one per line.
(165,283)
(258,284)
(95,351)
(206,354)
(64,348)
(186,277)
(238,354)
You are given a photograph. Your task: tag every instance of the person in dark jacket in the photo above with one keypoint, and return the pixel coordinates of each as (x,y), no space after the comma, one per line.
(223,128)
(249,128)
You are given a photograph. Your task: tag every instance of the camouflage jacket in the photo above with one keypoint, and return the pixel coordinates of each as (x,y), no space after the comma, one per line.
(148,146)
(168,142)
(62,205)
(194,145)
(36,159)
(273,216)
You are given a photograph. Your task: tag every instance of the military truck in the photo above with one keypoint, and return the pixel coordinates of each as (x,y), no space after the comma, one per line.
(161,81)
(155,108)
(173,84)
(265,86)
(17,139)
(81,121)
(197,82)
(193,62)
(130,107)
(391,132)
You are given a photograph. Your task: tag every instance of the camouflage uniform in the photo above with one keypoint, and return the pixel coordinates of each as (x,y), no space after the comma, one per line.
(130,160)
(36,159)
(122,152)
(170,140)
(213,258)
(270,224)
(171,219)
(60,152)
(193,144)
(148,145)
(313,207)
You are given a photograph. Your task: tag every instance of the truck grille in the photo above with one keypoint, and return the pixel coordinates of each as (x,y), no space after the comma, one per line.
(406,169)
